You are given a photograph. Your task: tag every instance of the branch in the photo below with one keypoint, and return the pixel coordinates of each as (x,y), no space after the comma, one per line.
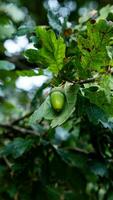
(19,129)
(77,150)
(20,62)
(89,80)
(92,79)
(16,197)
(9,165)
(16,121)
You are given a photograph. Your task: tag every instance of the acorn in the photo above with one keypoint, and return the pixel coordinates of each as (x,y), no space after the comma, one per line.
(57,99)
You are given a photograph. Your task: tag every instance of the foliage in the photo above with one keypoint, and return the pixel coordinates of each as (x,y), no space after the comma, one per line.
(46,154)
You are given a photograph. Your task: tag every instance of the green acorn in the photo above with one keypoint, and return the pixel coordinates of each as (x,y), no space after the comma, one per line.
(57,99)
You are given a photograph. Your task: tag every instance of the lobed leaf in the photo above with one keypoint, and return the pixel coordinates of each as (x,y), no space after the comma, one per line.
(45,110)
(52,51)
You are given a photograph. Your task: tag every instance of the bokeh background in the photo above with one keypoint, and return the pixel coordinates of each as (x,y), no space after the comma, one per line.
(18,19)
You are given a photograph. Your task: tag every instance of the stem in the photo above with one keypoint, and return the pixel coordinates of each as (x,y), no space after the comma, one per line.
(21,118)
(89,80)
(19,129)
(9,165)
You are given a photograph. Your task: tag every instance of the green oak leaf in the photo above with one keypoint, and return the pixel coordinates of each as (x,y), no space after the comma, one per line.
(45,110)
(51,54)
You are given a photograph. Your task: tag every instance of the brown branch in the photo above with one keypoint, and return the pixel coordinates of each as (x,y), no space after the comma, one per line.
(92,79)
(89,80)
(20,62)
(16,121)
(19,129)
(9,165)
(77,150)
(16,197)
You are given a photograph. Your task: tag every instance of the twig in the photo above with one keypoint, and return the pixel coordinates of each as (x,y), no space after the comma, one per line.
(92,79)
(19,129)
(89,80)
(9,165)
(21,118)
(16,197)
(77,150)
(21,63)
